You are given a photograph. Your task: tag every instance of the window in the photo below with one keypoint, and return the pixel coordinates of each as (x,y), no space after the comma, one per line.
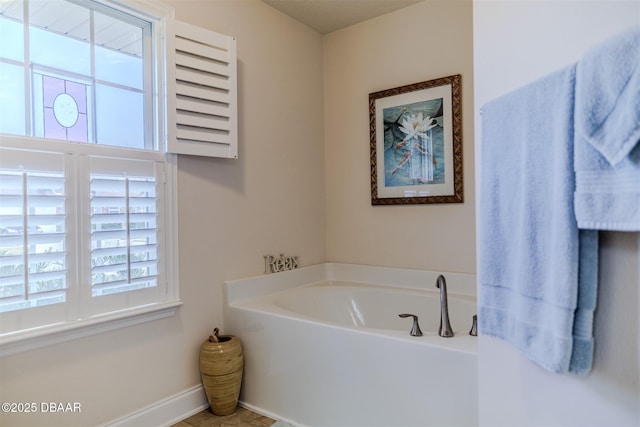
(86,188)
(78,72)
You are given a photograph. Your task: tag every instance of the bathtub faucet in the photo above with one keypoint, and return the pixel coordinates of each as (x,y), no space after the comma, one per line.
(445,327)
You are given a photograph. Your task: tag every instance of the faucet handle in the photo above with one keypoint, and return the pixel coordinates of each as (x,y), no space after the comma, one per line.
(415,328)
(474,326)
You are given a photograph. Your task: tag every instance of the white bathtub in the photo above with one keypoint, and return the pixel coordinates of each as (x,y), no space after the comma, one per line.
(324,346)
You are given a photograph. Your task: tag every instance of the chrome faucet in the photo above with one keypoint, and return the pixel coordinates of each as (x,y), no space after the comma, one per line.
(445,327)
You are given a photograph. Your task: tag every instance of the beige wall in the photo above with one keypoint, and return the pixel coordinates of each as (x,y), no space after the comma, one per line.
(422,42)
(231,213)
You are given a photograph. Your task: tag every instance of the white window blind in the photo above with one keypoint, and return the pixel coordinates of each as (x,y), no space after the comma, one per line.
(32,234)
(34,266)
(124,229)
(80,235)
(124,223)
(203,84)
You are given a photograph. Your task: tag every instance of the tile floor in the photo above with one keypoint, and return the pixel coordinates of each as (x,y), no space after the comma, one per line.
(241,418)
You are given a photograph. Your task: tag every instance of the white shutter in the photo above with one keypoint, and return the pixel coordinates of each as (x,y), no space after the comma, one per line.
(202,89)
(124,225)
(33,234)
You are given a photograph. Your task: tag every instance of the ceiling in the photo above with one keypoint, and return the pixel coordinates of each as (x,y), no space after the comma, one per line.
(326,16)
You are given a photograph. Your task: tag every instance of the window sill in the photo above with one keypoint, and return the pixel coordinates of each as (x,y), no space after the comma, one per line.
(59,333)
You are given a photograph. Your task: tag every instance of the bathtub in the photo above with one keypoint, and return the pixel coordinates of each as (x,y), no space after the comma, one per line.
(324,346)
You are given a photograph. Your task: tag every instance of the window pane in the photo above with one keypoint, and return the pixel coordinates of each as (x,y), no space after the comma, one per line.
(120,68)
(119,117)
(59,51)
(118,51)
(12,99)
(11,34)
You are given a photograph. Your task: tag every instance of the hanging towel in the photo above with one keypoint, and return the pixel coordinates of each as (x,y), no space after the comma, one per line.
(529,244)
(607,129)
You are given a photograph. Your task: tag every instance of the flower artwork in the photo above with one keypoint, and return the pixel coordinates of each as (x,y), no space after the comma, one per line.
(414,145)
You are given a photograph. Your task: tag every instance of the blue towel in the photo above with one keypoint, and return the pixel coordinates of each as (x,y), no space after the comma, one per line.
(607,129)
(532,280)
(582,350)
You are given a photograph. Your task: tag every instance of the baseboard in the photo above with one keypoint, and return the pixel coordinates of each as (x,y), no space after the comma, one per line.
(168,411)
(280,421)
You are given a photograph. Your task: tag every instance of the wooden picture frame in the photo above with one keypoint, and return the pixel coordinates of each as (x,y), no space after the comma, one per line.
(416,143)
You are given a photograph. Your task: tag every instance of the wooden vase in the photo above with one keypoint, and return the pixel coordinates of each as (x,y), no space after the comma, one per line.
(221,366)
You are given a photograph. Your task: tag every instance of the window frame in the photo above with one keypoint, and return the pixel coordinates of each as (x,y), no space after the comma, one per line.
(14,342)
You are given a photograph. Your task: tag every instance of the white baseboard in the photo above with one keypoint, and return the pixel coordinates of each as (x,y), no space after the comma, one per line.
(280,422)
(166,412)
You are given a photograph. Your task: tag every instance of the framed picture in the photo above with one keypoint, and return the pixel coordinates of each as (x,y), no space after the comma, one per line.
(416,143)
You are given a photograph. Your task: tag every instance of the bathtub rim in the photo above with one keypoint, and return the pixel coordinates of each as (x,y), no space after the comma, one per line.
(238,290)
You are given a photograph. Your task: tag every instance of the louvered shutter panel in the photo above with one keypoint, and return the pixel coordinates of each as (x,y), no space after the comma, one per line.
(124,225)
(203,86)
(33,234)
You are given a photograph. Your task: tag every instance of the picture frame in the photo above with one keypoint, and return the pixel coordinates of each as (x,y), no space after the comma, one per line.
(416,143)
